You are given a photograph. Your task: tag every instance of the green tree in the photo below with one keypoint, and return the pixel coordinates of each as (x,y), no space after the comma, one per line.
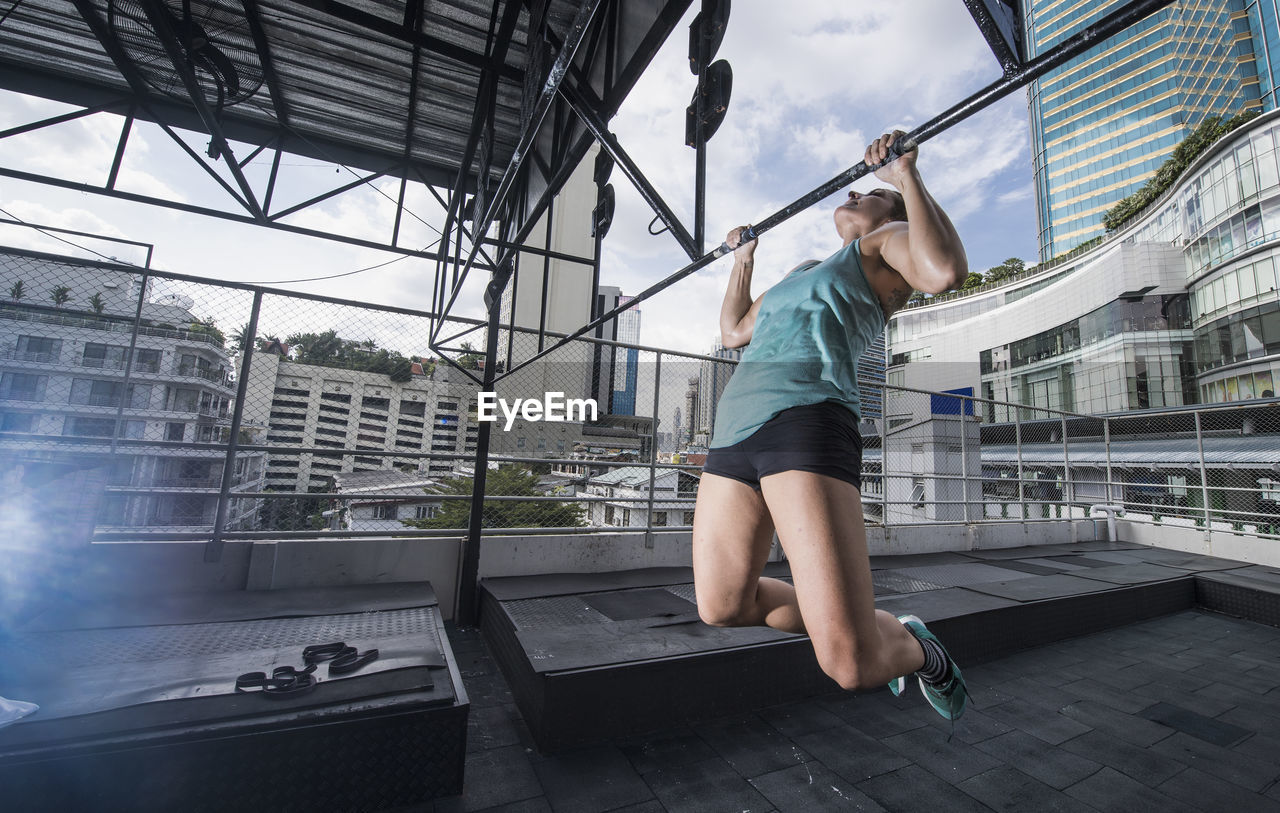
(324,349)
(238,339)
(96,303)
(508,481)
(60,295)
(209,327)
(17,291)
(331,350)
(1011,267)
(297,514)
(241,335)
(470,358)
(974,279)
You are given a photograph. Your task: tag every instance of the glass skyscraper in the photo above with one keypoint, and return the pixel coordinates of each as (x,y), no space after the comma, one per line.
(1104,122)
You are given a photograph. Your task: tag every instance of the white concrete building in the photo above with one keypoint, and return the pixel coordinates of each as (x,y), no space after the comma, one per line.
(70,393)
(354,421)
(379,500)
(627,490)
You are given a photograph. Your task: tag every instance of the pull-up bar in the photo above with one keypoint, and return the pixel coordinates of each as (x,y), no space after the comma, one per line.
(1068,49)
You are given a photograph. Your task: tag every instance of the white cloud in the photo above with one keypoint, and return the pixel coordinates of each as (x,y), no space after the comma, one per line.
(1023,193)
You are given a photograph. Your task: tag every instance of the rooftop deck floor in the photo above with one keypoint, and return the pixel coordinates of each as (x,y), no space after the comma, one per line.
(1176,713)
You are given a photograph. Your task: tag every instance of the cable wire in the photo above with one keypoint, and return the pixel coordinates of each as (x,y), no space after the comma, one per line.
(68,242)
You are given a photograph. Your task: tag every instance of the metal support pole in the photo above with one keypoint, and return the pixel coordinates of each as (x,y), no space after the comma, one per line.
(125,129)
(128,366)
(884,456)
(1067,490)
(213,550)
(699,139)
(1068,49)
(1106,442)
(1017,440)
(546,276)
(1204,477)
(653,446)
(468,610)
(964,460)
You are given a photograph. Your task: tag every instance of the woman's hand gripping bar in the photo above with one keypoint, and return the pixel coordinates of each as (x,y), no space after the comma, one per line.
(898,148)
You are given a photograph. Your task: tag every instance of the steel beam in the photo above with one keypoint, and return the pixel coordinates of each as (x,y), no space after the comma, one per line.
(1065,51)
(108,42)
(486,97)
(992,32)
(559,69)
(541,252)
(331,193)
(158,16)
(213,550)
(125,129)
(585,107)
(65,117)
(468,609)
(204,210)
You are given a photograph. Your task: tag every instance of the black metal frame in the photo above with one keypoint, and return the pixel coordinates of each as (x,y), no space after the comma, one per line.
(578,116)
(1014,78)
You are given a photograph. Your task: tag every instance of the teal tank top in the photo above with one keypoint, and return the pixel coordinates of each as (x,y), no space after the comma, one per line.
(809,332)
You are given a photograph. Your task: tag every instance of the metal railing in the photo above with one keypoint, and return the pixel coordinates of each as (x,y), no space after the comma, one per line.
(935,459)
(27,355)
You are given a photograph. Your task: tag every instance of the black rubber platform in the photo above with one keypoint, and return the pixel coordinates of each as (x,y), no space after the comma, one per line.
(146,716)
(595,658)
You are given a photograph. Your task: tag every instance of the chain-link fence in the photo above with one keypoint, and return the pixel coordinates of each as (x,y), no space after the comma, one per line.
(217,410)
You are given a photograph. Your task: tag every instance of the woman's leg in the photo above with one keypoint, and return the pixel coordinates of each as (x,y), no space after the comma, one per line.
(819,522)
(732,534)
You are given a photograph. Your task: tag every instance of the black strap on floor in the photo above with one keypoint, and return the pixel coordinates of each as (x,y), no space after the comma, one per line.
(342,659)
(289,681)
(285,682)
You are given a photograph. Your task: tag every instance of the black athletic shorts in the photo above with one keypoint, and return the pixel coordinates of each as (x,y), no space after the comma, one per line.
(821,438)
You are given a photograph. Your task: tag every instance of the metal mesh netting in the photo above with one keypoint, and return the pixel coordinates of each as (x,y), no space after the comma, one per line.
(343,421)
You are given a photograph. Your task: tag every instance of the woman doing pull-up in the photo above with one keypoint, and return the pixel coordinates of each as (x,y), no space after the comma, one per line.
(786,454)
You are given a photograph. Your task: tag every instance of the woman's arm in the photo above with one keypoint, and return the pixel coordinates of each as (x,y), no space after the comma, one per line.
(926,251)
(738,311)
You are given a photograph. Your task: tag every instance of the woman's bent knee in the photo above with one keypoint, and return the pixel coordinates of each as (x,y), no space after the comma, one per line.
(851,670)
(725,615)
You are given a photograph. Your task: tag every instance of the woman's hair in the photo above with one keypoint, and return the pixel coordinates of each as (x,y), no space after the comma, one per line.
(899,210)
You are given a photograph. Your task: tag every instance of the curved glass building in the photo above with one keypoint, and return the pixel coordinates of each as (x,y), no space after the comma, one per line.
(1102,124)
(1182,306)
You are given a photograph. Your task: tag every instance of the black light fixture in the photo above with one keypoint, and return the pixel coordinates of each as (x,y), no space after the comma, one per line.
(715,86)
(603,168)
(707,27)
(602,216)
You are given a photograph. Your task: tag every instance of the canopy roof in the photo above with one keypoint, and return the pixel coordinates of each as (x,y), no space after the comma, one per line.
(368,83)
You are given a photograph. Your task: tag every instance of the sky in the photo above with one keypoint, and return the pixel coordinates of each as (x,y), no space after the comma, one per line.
(811,87)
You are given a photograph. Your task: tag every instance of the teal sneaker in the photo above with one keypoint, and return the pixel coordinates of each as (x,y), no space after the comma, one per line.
(949,697)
